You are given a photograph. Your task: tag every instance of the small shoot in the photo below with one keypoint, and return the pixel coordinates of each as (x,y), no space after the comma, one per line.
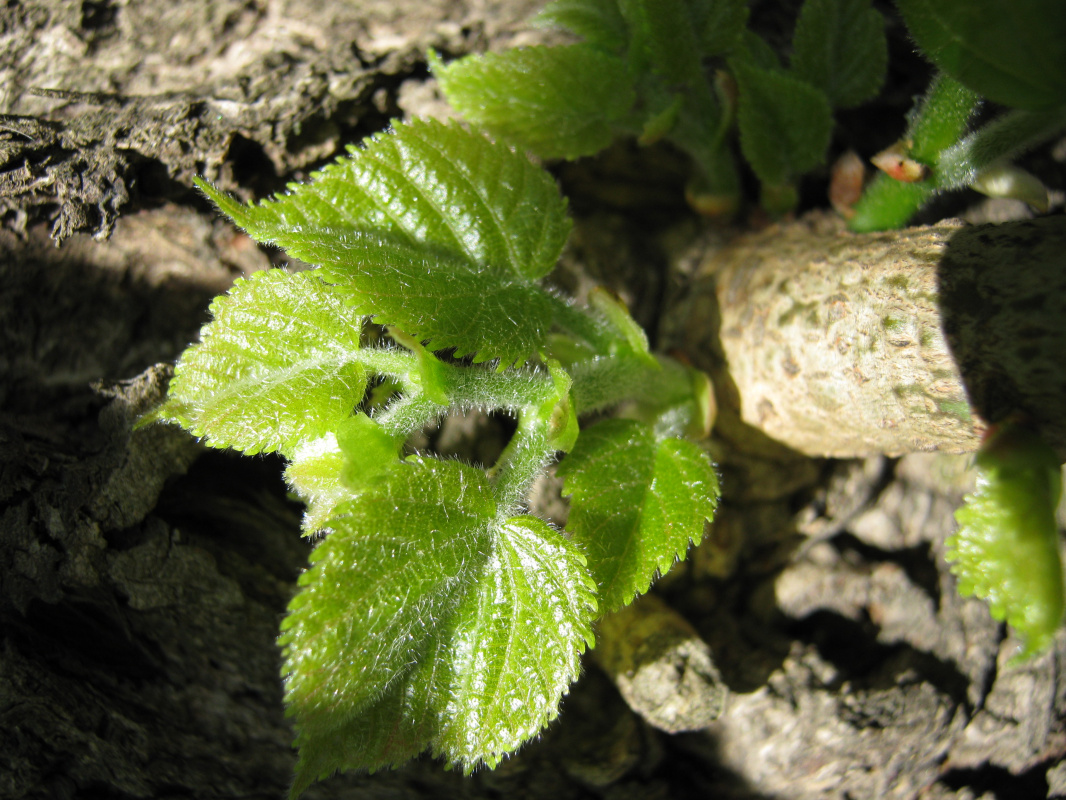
(684,71)
(438,614)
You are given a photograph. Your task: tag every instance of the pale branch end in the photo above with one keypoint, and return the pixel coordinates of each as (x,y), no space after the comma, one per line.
(840,344)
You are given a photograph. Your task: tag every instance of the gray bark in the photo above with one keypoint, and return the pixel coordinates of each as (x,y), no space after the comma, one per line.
(142,580)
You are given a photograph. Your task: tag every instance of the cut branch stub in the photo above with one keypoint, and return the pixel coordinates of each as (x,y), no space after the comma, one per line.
(834,343)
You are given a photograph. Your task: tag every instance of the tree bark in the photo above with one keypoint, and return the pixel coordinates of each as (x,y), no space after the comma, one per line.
(142,580)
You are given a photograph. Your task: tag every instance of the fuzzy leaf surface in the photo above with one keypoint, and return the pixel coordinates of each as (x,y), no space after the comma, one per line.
(1007,548)
(719,24)
(785,123)
(1014,55)
(400,558)
(637,502)
(427,623)
(435,295)
(559,102)
(598,22)
(421,226)
(839,46)
(314,473)
(275,367)
(516,643)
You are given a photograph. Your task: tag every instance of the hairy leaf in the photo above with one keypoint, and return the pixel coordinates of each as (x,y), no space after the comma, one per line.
(1007,548)
(516,643)
(435,295)
(431,228)
(1014,55)
(839,46)
(670,36)
(398,562)
(275,367)
(559,102)
(314,473)
(637,502)
(719,24)
(598,22)
(784,122)
(425,622)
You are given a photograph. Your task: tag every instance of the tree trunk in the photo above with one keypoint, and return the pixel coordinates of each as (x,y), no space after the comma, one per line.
(142,579)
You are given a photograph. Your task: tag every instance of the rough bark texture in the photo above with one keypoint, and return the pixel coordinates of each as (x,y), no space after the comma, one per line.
(142,580)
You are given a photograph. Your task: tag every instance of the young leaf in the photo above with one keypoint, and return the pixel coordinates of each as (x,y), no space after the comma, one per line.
(1007,548)
(784,123)
(938,121)
(517,639)
(559,102)
(314,473)
(757,52)
(434,295)
(275,367)
(839,46)
(1012,55)
(425,622)
(433,228)
(637,502)
(670,36)
(719,24)
(398,562)
(598,22)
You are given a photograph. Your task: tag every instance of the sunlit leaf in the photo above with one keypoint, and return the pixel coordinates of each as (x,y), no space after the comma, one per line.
(427,623)
(559,102)
(431,228)
(275,366)
(637,502)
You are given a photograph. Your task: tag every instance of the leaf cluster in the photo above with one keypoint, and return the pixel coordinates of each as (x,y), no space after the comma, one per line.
(437,613)
(689,71)
(1015,59)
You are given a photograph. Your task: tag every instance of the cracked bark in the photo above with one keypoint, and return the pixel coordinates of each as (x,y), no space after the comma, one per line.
(141,581)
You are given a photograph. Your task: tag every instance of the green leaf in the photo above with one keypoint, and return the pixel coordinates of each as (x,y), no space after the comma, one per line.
(719,24)
(937,122)
(839,46)
(598,22)
(425,622)
(1013,54)
(369,451)
(517,641)
(275,367)
(785,123)
(940,119)
(637,502)
(1007,548)
(671,39)
(559,102)
(437,296)
(314,473)
(432,228)
(398,562)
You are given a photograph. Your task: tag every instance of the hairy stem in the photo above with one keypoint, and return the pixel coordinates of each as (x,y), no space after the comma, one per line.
(937,123)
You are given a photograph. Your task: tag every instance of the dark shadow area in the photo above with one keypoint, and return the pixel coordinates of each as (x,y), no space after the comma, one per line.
(1000,783)
(1003,305)
(852,646)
